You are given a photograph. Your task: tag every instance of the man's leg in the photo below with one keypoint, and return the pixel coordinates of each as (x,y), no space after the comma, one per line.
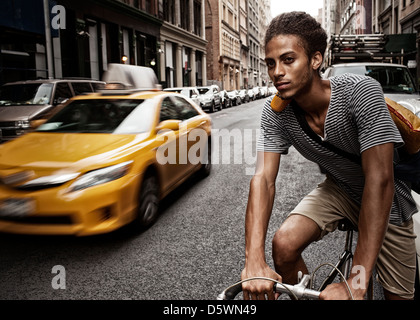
(396,264)
(294,235)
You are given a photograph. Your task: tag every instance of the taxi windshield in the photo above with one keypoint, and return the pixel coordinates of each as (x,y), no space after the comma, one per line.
(119,116)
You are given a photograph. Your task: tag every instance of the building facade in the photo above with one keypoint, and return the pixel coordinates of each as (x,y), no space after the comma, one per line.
(224,48)
(244,41)
(186,42)
(183,55)
(86,35)
(353,16)
(398,20)
(254,42)
(264,19)
(22,41)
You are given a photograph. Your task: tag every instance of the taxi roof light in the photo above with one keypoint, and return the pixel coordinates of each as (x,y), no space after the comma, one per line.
(121,78)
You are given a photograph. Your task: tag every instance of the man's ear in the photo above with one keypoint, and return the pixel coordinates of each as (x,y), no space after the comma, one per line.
(316,60)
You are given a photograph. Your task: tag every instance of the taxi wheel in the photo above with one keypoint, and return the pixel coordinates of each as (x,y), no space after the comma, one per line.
(148,208)
(206,166)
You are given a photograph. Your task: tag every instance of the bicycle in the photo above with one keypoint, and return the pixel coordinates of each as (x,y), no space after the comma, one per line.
(301,291)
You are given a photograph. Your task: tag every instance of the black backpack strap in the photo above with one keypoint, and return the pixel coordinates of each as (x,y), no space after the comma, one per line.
(300,116)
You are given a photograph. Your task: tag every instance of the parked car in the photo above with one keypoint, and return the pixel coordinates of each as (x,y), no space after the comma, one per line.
(234,97)
(244,95)
(395,79)
(190,92)
(210,98)
(226,102)
(264,92)
(105,160)
(25,104)
(257,92)
(272,90)
(251,94)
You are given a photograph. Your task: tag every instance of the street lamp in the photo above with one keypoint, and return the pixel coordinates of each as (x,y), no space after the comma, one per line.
(124,59)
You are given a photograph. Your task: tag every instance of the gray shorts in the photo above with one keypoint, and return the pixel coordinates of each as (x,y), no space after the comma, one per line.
(396,264)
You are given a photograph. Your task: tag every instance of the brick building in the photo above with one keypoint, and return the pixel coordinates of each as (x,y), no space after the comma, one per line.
(223,49)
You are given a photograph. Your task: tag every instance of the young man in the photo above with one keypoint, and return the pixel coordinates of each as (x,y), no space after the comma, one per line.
(349,112)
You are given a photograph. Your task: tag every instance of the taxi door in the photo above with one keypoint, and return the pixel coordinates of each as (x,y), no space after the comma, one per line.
(172,166)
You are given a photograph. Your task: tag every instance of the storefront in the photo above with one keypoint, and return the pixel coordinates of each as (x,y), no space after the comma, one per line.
(22,40)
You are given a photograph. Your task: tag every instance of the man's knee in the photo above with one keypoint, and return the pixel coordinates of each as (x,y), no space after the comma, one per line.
(283,248)
(296,233)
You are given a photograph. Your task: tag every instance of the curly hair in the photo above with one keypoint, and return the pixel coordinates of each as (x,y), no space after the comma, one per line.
(312,36)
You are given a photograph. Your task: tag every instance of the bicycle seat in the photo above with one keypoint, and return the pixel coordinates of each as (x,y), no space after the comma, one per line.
(346,225)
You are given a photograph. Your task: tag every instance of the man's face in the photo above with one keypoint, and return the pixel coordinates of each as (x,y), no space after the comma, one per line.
(288,66)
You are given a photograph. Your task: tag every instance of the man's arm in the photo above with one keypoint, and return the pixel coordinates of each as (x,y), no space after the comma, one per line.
(378,194)
(258,212)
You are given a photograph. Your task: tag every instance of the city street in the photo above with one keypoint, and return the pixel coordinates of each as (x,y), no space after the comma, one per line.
(194,251)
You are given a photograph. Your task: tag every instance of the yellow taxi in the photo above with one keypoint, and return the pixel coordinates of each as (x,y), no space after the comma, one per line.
(103,161)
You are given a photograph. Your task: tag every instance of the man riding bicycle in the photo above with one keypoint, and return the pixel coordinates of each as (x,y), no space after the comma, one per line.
(350,112)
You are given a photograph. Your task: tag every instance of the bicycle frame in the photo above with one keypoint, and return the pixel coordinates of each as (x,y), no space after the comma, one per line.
(300,290)
(344,263)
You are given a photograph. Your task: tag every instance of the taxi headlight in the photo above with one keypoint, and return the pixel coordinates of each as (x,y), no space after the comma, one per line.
(100,176)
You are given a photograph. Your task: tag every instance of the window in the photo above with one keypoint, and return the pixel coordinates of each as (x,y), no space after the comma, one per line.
(62,92)
(81,87)
(149,7)
(169,12)
(185,14)
(185,110)
(197,18)
(168,111)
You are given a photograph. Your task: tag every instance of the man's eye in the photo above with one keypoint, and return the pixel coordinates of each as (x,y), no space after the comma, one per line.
(289,60)
(270,64)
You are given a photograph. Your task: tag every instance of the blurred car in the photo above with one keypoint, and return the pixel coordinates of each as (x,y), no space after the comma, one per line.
(105,160)
(226,102)
(264,92)
(251,95)
(395,79)
(257,92)
(210,98)
(244,95)
(190,92)
(272,90)
(23,104)
(234,97)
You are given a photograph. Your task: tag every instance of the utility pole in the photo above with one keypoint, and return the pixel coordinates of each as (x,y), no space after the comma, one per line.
(48,41)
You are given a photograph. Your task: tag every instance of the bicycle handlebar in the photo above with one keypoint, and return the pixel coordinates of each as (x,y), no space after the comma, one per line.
(299,291)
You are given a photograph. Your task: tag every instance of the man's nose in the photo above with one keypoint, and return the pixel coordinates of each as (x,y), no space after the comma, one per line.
(278,70)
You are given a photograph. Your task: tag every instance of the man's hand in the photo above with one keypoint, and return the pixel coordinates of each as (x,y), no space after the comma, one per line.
(339,291)
(259,289)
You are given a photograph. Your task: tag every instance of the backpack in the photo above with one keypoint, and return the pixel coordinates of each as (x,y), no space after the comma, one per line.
(406,159)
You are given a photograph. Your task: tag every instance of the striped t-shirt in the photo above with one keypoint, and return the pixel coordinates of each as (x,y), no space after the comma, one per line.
(357,119)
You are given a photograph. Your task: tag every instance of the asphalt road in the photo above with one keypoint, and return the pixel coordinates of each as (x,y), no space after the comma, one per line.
(195,249)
